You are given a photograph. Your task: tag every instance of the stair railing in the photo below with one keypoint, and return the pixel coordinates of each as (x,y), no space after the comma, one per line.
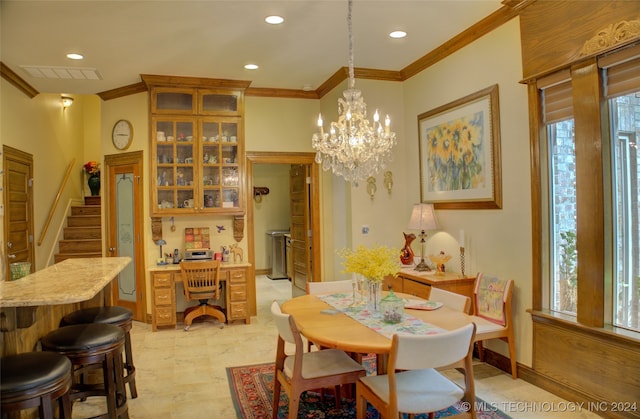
(55,202)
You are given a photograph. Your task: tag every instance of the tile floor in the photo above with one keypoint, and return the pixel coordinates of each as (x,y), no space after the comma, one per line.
(183,374)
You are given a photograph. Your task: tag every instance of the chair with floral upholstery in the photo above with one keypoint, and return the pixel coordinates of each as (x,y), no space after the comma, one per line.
(492,314)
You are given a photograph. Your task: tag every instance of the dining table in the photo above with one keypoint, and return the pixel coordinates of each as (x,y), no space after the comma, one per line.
(331,321)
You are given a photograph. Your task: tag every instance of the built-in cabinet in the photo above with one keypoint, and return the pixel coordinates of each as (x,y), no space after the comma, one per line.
(163,288)
(197,147)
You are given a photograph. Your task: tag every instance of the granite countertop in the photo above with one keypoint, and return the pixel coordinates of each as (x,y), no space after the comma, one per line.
(70,281)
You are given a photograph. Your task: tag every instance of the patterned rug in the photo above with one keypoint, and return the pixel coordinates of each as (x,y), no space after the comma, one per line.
(252,390)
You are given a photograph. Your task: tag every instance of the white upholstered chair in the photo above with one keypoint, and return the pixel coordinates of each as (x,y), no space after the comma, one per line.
(412,383)
(457,302)
(304,371)
(329,287)
(492,314)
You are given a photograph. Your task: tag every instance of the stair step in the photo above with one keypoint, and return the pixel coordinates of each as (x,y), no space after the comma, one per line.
(82,233)
(92,200)
(85,210)
(83,221)
(59,257)
(80,246)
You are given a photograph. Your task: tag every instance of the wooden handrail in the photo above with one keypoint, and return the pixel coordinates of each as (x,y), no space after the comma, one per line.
(55,202)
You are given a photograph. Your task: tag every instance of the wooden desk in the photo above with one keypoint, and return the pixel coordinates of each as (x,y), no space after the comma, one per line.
(342,332)
(32,306)
(410,281)
(163,290)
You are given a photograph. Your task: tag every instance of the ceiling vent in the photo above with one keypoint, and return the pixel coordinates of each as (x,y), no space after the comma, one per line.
(52,72)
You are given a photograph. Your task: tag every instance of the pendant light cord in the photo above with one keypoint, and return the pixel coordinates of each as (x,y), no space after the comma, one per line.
(352,80)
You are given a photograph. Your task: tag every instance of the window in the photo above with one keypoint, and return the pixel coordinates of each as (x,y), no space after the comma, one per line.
(625,131)
(592,211)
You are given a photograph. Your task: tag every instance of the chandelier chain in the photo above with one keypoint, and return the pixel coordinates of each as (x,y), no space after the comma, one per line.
(354,148)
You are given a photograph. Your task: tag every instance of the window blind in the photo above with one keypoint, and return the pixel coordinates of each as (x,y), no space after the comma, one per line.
(623,78)
(557,102)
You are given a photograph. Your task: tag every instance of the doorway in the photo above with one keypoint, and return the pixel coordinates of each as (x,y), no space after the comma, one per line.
(18,208)
(307,159)
(124,217)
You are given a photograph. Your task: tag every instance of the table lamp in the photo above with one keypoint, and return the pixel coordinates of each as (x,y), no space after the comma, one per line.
(161,243)
(423,217)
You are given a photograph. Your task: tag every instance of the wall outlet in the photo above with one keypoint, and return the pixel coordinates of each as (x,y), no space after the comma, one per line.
(365,229)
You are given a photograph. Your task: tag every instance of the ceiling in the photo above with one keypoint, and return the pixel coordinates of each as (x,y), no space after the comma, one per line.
(216,38)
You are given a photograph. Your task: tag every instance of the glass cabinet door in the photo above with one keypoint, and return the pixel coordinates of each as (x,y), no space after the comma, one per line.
(219,102)
(175,173)
(173,101)
(220,164)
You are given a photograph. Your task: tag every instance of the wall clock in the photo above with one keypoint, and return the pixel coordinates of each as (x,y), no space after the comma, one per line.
(122,134)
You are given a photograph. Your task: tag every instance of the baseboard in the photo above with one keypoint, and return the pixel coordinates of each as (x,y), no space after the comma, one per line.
(263,271)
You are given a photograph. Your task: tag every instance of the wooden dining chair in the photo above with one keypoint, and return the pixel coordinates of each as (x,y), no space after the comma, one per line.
(201,281)
(412,383)
(304,371)
(457,302)
(492,314)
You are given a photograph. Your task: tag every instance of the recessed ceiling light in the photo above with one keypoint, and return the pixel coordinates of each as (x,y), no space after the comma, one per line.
(398,34)
(274,20)
(75,56)
(251,66)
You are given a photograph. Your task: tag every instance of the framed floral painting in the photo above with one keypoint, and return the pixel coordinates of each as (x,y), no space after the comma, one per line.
(460,153)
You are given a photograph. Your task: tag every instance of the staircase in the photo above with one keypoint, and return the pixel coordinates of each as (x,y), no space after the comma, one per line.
(83,234)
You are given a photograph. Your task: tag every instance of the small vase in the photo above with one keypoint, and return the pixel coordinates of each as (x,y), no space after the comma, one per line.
(374,295)
(406,255)
(94,184)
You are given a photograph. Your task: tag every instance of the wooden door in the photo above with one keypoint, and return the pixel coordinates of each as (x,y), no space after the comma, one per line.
(18,205)
(300,225)
(124,229)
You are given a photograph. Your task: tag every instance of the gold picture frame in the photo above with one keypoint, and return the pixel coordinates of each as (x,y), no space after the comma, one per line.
(460,166)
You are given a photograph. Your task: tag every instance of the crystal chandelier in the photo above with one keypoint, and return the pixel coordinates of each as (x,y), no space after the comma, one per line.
(354,148)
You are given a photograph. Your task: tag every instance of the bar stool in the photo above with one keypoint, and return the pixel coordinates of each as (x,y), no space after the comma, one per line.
(117,316)
(36,379)
(93,346)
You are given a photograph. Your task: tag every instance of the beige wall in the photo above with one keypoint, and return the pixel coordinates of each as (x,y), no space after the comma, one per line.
(273,212)
(54,137)
(497,241)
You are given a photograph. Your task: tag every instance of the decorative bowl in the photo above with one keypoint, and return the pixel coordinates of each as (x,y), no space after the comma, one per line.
(439,261)
(20,269)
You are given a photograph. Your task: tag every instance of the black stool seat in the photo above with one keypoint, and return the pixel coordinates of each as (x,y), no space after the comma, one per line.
(109,315)
(36,379)
(117,316)
(93,346)
(82,337)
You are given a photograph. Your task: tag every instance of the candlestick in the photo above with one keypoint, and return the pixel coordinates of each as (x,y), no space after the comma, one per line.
(462,260)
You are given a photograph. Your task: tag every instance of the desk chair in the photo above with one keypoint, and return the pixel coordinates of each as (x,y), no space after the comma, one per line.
(457,302)
(201,281)
(304,371)
(492,314)
(412,383)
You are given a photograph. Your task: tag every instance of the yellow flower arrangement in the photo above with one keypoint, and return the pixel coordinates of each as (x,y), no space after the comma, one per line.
(372,263)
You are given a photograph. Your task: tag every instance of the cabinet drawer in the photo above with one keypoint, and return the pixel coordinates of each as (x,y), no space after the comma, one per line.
(163,297)
(237,276)
(165,316)
(416,288)
(163,279)
(237,311)
(237,293)
(394,283)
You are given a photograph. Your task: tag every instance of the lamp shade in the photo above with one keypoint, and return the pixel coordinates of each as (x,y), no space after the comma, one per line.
(423,217)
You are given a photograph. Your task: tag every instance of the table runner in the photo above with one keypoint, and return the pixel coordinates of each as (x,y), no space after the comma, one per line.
(409,325)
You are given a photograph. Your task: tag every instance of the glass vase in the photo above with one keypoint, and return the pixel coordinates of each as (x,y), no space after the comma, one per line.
(374,295)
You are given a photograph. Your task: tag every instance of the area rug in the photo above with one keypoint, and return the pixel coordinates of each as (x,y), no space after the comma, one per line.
(252,390)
